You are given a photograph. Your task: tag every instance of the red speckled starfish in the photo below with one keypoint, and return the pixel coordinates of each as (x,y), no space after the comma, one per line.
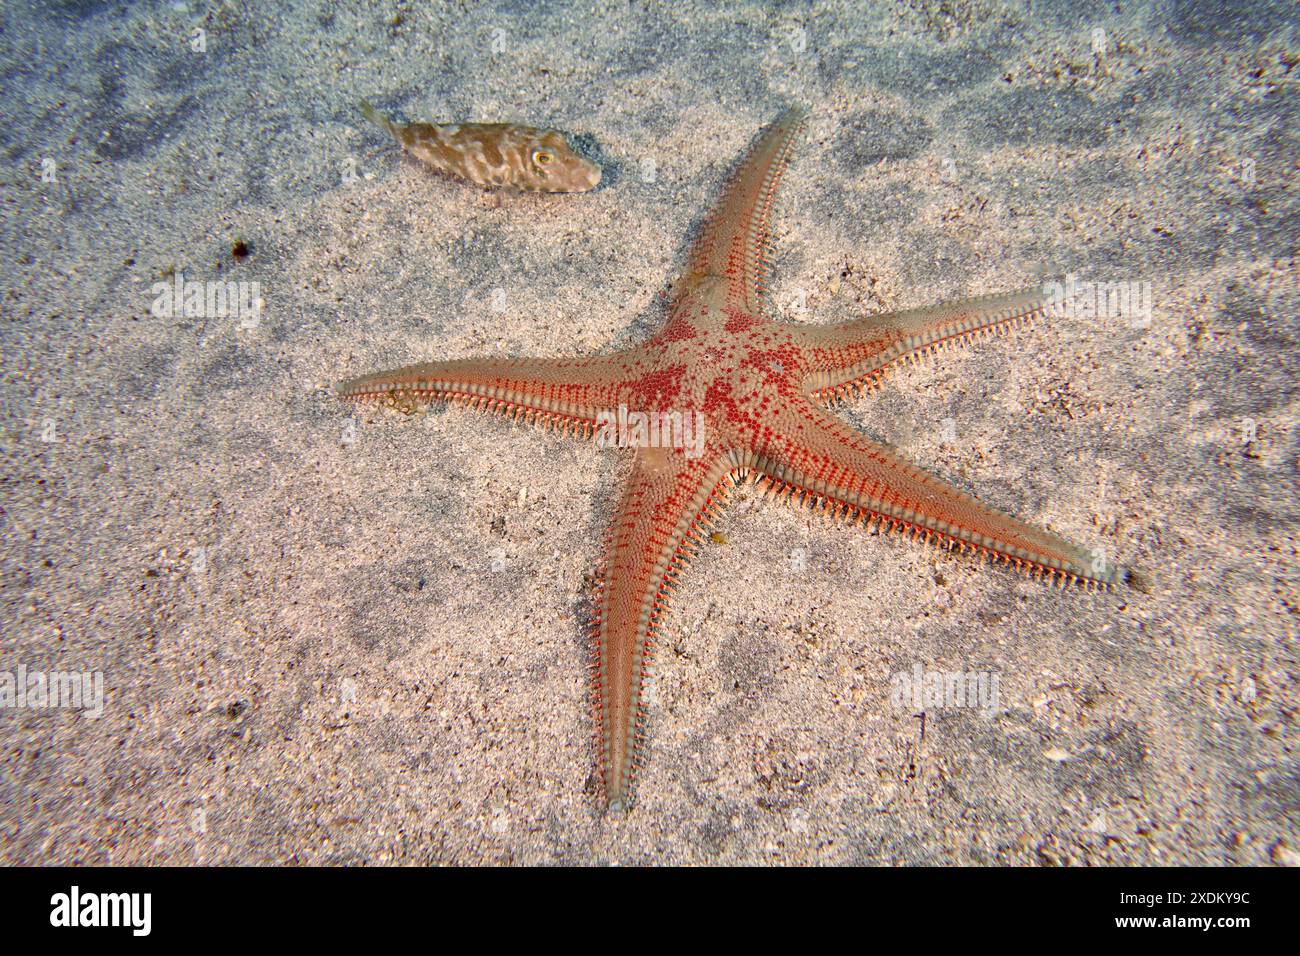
(759,387)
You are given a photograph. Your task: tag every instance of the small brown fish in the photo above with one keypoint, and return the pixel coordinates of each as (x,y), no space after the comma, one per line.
(495,154)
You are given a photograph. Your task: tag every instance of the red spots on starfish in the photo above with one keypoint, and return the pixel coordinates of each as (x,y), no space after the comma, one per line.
(656,390)
(738,322)
(718,397)
(679,329)
(776,368)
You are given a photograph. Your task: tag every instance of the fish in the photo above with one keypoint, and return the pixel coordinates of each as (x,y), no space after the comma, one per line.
(494,154)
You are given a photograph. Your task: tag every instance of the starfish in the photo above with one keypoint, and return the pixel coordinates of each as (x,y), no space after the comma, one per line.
(758,390)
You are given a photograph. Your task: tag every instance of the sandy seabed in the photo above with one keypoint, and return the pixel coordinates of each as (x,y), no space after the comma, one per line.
(330,635)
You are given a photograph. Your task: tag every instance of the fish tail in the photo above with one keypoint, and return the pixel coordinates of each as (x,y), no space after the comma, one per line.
(383,122)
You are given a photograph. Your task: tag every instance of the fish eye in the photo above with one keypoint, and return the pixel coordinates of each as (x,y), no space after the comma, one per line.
(542,157)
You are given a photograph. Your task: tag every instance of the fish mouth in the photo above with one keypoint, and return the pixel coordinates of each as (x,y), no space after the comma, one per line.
(578,181)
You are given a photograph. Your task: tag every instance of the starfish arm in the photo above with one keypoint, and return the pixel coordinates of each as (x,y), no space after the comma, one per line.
(848,355)
(668,501)
(727,266)
(572,393)
(821,458)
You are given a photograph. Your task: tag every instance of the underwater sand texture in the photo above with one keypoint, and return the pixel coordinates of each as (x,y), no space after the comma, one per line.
(331,635)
